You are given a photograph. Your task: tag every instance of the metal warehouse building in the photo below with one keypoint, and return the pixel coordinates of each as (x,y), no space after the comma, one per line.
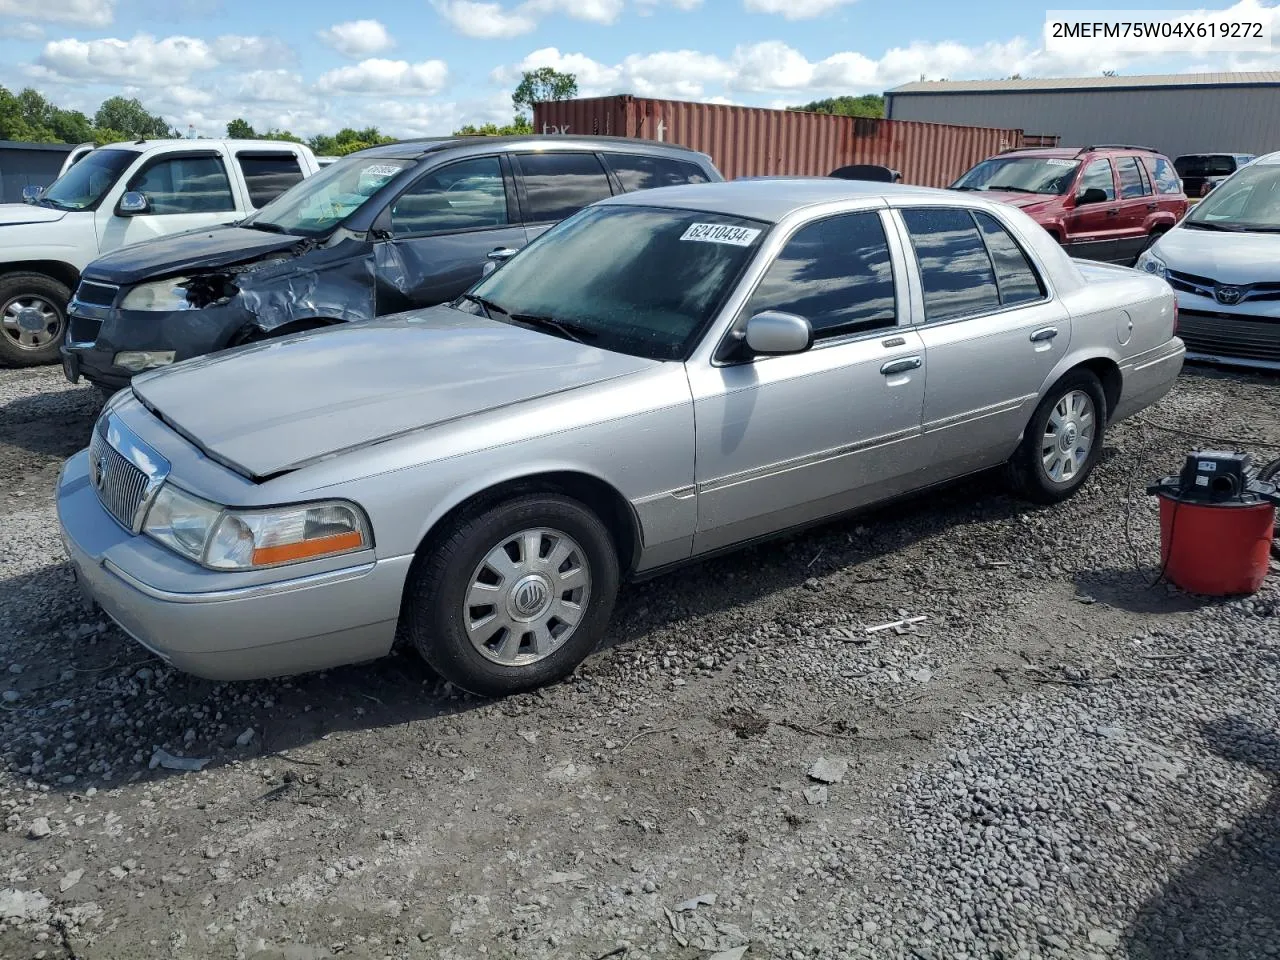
(1175,113)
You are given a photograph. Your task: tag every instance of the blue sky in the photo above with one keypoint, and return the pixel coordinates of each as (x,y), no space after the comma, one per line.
(418,67)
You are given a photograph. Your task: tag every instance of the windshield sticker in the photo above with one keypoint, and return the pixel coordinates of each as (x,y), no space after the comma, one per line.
(720,233)
(380,170)
(1055,162)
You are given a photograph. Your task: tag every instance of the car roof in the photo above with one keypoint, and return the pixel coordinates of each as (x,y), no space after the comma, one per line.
(414,149)
(773,198)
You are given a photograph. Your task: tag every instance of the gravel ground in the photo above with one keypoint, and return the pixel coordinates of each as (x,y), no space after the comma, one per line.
(1060,761)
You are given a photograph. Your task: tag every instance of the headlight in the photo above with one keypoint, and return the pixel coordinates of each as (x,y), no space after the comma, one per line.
(226,539)
(162,295)
(1150,263)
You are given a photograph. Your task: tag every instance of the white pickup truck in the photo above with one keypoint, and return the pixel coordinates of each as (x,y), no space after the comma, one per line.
(118,195)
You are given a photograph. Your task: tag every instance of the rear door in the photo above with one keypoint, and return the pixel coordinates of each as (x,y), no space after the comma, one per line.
(1136,205)
(553,185)
(186,191)
(441,229)
(991,333)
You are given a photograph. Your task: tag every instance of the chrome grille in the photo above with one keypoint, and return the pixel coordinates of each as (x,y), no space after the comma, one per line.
(1230,335)
(97,294)
(121,486)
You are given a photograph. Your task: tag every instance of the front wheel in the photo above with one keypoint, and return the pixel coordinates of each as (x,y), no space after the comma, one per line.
(33,319)
(515,596)
(1063,440)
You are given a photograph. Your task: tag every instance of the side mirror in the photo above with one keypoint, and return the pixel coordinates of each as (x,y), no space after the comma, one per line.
(132,204)
(1092,195)
(31,193)
(772,334)
(496,258)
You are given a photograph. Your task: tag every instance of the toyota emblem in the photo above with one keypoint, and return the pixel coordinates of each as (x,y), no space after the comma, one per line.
(1228,296)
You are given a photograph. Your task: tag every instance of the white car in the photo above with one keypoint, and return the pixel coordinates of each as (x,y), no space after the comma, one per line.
(1223,261)
(120,195)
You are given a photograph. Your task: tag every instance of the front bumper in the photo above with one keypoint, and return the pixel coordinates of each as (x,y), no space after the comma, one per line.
(95,335)
(231,631)
(1245,335)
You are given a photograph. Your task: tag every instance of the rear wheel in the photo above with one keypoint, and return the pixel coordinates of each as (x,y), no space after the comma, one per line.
(514,596)
(33,318)
(1063,440)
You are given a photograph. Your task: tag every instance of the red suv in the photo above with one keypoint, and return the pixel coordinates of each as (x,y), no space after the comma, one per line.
(1106,202)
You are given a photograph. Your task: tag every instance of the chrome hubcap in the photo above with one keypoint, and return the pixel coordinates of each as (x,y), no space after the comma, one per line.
(1068,436)
(30,322)
(527,597)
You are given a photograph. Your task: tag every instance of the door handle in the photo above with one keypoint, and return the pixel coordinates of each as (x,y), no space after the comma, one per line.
(1046,333)
(1152,206)
(1113,211)
(901,366)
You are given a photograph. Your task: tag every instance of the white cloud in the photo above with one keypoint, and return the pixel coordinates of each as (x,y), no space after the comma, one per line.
(358,38)
(647,7)
(90,13)
(796,9)
(232,48)
(268,86)
(386,77)
(142,58)
(489,20)
(23,30)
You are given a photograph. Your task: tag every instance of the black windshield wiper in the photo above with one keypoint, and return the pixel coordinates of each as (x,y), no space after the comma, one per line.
(964,188)
(1204,225)
(570,331)
(485,304)
(1009,189)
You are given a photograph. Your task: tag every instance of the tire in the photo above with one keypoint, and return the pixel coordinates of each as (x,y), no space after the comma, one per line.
(27,299)
(1077,393)
(464,565)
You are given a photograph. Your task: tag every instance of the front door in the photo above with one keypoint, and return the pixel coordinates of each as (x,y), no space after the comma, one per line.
(443,226)
(185,191)
(1093,227)
(991,333)
(786,440)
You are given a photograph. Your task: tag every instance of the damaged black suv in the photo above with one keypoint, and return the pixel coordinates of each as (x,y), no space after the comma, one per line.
(405,225)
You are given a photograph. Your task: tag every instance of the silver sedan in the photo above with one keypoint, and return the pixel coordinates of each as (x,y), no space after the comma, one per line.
(661,376)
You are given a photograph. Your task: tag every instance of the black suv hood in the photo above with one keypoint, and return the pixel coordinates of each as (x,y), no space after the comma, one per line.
(205,249)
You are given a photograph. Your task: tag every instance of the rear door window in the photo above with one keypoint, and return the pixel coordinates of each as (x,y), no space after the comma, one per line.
(1132,183)
(1016,278)
(637,172)
(558,185)
(268,175)
(955,270)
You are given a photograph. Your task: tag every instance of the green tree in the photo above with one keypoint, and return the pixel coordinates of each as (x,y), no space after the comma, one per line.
(240,129)
(517,127)
(130,117)
(541,85)
(274,134)
(867,105)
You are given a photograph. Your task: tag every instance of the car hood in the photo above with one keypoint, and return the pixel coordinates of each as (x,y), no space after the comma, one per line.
(204,249)
(12,214)
(277,405)
(1239,258)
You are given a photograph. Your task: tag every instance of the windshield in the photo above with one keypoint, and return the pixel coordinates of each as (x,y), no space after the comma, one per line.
(638,280)
(1047,175)
(1250,200)
(316,205)
(84,185)
(1205,165)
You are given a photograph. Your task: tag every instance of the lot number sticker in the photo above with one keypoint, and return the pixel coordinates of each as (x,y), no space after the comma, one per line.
(720,233)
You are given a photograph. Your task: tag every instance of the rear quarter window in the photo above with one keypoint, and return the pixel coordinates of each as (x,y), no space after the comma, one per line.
(639,172)
(1163,175)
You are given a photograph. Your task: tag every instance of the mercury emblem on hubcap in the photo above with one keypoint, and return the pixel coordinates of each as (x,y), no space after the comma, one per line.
(529,597)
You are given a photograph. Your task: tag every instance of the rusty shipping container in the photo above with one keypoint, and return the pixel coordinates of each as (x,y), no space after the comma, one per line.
(754,141)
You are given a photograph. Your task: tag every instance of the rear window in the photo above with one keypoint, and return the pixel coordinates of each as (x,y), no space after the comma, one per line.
(558,185)
(1205,165)
(1164,176)
(1132,182)
(268,175)
(637,172)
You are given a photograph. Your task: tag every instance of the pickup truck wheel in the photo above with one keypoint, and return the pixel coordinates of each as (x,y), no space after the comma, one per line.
(33,318)
(1063,440)
(515,596)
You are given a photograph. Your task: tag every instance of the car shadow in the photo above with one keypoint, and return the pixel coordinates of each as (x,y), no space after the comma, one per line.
(54,424)
(1137,589)
(1226,902)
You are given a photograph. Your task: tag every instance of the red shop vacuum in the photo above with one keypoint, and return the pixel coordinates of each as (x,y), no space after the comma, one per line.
(1217,522)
